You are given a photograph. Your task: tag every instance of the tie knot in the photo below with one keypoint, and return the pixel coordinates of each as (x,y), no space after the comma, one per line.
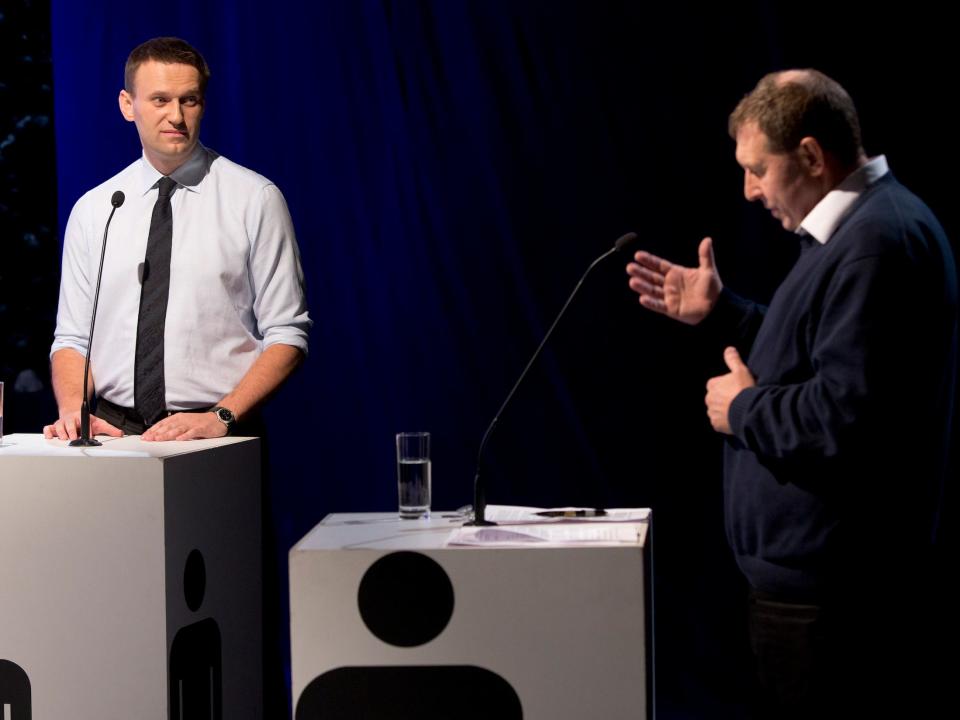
(167,185)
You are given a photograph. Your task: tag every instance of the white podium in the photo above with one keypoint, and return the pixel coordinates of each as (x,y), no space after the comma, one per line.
(127,565)
(565,631)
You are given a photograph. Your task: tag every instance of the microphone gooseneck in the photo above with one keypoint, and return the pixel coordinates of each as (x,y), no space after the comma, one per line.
(479,495)
(85,440)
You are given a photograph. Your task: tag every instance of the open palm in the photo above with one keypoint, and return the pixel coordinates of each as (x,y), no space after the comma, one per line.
(682,293)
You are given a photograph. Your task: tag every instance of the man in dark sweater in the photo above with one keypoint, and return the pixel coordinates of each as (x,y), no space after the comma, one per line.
(838,424)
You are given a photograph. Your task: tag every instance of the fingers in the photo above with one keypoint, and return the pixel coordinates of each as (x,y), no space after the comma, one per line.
(166,429)
(99,426)
(654,304)
(717,403)
(170,428)
(732,358)
(193,433)
(656,264)
(651,295)
(648,284)
(705,251)
(185,426)
(64,428)
(56,431)
(637,272)
(68,428)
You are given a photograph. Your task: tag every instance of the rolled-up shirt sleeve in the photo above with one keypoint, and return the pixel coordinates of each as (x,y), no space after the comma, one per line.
(276,275)
(76,285)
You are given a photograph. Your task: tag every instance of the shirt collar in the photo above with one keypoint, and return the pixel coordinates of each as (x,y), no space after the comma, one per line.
(821,222)
(188,175)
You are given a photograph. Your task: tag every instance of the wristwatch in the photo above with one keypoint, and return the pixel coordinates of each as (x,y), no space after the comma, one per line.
(225,416)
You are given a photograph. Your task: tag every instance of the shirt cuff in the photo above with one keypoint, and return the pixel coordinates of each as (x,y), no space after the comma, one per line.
(67,344)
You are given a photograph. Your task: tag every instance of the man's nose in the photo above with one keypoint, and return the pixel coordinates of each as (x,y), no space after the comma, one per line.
(176,114)
(751,188)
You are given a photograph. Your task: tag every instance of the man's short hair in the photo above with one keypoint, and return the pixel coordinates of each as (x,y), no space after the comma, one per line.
(805,103)
(169,50)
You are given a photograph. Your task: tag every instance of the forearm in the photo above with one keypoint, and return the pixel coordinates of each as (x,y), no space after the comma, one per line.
(267,373)
(66,373)
(806,420)
(830,362)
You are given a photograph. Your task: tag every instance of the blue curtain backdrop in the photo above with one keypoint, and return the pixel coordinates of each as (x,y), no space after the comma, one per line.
(452,167)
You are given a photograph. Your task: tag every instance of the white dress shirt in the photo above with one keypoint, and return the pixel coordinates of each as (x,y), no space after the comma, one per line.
(236,285)
(832,208)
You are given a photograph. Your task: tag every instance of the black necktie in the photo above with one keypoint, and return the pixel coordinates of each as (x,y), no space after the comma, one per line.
(149,390)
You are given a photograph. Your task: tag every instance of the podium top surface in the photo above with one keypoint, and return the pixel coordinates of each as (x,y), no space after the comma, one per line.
(386,531)
(130,446)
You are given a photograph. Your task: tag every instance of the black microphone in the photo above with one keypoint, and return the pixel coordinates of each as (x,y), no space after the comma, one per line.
(85,440)
(479,500)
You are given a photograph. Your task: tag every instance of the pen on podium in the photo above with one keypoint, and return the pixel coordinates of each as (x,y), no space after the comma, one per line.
(599,512)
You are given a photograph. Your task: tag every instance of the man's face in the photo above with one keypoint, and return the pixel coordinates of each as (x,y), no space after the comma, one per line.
(781,180)
(166,106)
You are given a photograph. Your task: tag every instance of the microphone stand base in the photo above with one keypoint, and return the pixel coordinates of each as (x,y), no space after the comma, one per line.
(480,523)
(85,442)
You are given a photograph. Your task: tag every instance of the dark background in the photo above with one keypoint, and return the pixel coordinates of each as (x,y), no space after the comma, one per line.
(452,167)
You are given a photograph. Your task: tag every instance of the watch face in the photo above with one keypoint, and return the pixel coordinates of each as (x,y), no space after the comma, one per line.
(225,415)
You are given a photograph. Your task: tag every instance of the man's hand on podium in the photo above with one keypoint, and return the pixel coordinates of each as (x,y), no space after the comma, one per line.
(186,426)
(67,427)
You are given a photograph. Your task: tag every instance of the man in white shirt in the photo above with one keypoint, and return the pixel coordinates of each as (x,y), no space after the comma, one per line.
(236,321)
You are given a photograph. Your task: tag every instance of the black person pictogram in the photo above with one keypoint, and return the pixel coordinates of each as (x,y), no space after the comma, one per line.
(406,599)
(14,692)
(195,665)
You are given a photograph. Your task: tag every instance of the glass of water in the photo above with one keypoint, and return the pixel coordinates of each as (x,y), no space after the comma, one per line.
(413,474)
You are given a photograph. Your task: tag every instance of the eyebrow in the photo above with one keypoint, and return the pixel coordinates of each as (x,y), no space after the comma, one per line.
(193,92)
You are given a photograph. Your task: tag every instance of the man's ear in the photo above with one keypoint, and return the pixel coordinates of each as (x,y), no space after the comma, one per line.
(126,105)
(811,156)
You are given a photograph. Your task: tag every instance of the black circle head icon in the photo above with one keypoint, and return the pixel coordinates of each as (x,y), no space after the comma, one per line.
(194,580)
(405,599)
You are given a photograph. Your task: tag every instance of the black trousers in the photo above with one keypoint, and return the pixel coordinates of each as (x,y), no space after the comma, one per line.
(847,656)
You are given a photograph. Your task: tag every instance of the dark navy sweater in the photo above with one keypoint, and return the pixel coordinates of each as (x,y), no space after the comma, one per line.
(835,467)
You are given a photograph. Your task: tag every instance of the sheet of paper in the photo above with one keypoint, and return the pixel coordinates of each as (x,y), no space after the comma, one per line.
(510,514)
(563,534)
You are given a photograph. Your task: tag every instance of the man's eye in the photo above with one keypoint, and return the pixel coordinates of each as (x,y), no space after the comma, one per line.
(190,101)
(159,101)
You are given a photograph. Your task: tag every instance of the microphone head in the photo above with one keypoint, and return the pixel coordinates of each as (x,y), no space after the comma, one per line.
(625,240)
(118,198)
